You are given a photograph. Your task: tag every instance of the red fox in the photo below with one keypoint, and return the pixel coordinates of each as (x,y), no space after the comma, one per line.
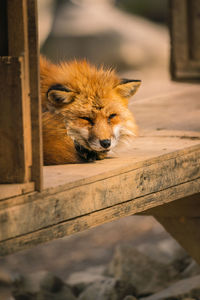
(85,111)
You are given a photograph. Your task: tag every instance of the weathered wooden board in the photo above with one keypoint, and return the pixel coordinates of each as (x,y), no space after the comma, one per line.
(146,149)
(147,184)
(36,126)
(11,190)
(14,100)
(15,166)
(18,46)
(20,117)
(95,218)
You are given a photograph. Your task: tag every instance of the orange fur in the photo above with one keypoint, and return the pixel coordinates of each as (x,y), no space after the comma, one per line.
(86,107)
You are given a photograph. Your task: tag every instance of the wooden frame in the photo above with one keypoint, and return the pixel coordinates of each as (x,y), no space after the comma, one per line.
(185,39)
(20,119)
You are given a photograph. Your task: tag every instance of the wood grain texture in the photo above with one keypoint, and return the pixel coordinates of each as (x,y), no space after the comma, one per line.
(20,93)
(152,183)
(17,28)
(37,156)
(96,218)
(15,119)
(14,167)
(11,190)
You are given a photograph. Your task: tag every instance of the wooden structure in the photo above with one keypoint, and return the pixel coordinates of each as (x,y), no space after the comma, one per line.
(185,38)
(159,176)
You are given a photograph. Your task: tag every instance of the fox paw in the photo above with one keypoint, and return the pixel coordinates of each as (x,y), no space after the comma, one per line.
(88,155)
(84,153)
(101,155)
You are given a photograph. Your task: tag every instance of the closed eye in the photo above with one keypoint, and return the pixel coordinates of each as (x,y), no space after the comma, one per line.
(87,119)
(111,116)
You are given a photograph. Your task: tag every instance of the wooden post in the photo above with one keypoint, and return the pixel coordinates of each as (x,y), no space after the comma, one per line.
(181,219)
(20,142)
(185,39)
(37,152)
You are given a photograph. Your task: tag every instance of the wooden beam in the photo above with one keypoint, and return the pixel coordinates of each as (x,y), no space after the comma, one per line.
(185,41)
(37,153)
(95,218)
(15,119)
(15,167)
(21,106)
(185,231)
(63,211)
(13,190)
(181,219)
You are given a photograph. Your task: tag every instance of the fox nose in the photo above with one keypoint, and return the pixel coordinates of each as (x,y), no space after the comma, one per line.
(105,143)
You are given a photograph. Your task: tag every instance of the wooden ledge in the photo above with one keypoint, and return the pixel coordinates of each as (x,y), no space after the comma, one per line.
(77,197)
(162,166)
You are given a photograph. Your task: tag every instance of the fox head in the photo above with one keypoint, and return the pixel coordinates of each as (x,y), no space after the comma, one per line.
(93,103)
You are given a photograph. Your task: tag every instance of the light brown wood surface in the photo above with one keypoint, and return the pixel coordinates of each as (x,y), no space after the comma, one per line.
(11,190)
(97,199)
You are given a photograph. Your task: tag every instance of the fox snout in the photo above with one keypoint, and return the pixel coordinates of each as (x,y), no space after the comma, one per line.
(98,144)
(105,143)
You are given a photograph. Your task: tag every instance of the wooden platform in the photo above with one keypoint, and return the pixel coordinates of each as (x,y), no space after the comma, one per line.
(162,166)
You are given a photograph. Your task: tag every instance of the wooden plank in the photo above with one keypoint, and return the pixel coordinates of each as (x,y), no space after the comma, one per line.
(15,117)
(18,46)
(148,149)
(37,161)
(52,208)
(12,190)
(96,218)
(14,168)
(3,28)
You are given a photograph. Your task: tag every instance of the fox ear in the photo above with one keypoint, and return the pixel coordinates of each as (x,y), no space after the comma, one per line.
(127,88)
(58,94)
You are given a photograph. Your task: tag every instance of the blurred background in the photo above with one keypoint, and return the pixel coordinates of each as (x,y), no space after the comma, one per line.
(128,35)
(131,36)
(124,34)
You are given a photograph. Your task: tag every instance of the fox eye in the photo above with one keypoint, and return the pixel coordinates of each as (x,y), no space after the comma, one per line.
(111,116)
(87,119)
